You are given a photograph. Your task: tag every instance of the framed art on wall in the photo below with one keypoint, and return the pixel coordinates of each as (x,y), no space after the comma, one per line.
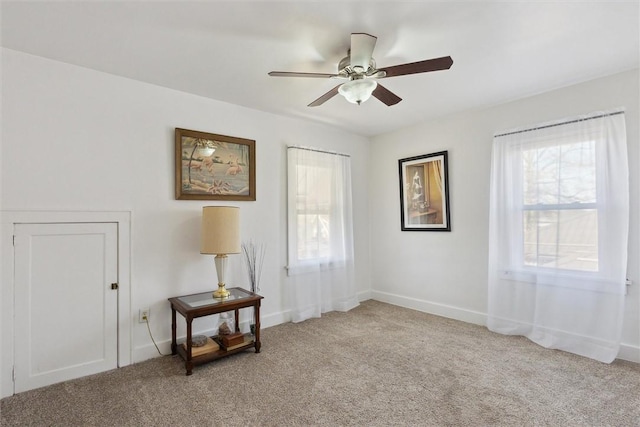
(424,193)
(214,167)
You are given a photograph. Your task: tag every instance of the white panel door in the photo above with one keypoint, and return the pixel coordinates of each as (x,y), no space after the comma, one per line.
(65,310)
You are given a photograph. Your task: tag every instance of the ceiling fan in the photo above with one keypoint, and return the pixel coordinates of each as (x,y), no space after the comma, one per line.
(359,68)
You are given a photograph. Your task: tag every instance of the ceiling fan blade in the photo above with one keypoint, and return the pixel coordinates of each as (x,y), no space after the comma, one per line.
(324,98)
(362,49)
(294,74)
(427,65)
(385,95)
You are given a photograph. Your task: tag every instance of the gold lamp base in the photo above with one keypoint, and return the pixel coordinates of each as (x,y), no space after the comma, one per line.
(221,292)
(221,265)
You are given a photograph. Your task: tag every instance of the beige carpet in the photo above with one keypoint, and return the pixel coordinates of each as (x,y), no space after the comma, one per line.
(377,365)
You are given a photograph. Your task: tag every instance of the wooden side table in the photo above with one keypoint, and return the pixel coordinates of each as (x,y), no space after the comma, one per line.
(204,304)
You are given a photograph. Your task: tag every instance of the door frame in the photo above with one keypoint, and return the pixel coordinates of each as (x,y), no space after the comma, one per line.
(7,293)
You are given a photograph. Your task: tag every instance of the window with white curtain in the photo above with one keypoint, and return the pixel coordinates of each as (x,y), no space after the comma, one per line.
(559,204)
(313,212)
(559,215)
(320,232)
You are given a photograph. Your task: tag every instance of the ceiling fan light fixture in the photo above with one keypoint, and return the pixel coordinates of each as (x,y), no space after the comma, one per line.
(357,91)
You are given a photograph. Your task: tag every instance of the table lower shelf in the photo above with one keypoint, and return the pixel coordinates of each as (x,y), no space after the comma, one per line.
(219,353)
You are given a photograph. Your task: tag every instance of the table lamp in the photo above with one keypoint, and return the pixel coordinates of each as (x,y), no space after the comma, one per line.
(220,236)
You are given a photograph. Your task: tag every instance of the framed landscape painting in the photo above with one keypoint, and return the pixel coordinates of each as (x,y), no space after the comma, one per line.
(214,167)
(424,193)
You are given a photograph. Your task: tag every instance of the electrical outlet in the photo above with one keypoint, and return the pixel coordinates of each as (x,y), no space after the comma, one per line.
(143,315)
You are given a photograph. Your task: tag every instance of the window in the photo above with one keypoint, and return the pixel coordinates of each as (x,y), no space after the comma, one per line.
(313,211)
(320,233)
(319,209)
(560,211)
(557,194)
(558,232)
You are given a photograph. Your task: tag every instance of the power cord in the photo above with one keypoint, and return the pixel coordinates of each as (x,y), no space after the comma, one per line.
(146,320)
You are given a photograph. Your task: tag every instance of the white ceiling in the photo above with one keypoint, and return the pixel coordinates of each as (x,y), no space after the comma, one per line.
(223,50)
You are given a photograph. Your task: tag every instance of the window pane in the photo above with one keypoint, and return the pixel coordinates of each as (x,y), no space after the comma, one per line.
(560,174)
(314,191)
(313,204)
(563,239)
(313,236)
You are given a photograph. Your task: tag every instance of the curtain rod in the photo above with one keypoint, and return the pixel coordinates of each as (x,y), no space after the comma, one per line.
(318,151)
(559,124)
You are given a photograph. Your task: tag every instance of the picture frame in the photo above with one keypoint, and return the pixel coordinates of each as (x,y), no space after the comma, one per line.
(214,167)
(424,192)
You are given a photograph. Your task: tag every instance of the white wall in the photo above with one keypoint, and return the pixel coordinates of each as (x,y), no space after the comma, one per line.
(81,140)
(77,139)
(2,272)
(446,273)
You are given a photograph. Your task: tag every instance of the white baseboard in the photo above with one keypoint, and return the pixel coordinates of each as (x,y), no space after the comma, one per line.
(364,295)
(149,351)
(438,309)
(627,352)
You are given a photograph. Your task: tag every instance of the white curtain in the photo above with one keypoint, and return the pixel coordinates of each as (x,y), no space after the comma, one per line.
(559,215)
(320,233)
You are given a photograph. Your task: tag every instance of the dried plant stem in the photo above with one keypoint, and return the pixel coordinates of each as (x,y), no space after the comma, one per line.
(254,258)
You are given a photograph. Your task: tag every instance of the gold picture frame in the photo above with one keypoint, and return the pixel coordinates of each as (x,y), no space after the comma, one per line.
(214,167)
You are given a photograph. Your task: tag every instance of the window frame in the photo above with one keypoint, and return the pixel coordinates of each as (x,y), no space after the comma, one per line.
(337,177)
(523,208)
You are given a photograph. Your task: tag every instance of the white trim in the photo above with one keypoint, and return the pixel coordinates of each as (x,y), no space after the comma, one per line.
(364,295)
(627,352)
(438,309)
(9,218)
(149,351)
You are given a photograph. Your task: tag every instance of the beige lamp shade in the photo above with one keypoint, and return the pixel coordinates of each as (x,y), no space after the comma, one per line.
(220,230)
